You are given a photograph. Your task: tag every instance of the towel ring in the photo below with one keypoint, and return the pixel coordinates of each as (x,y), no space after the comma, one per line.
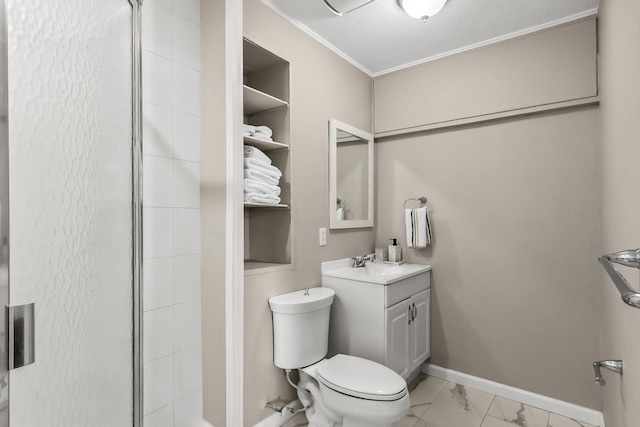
(421,199)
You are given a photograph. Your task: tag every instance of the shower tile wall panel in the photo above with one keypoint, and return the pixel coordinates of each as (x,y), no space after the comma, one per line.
(171,295)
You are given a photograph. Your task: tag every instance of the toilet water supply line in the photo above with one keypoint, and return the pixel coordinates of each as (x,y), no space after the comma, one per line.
(306,392)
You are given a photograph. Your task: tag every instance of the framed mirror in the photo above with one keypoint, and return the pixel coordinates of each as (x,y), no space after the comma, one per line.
(350,176)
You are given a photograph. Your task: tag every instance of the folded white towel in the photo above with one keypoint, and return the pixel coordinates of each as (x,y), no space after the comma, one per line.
(249,128)
(261,198)
(250,163)
(255,153)
(264,130)
(255,186)
(251,173)
(418,227)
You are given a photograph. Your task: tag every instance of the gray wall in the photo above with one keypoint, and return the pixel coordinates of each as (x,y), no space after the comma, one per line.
(620,111)
(515,206)
(213,205)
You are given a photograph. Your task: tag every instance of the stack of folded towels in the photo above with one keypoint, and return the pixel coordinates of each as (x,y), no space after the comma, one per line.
(261,178)
(262,132)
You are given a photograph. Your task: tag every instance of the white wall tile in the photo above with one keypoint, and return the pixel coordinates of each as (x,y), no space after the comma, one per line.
(158,282)
(186,187)
(187,231)
(188,411)
(156,79)
(189,9)
(158,181)
(186,89)
(156,22)
(158,333)
(158,232)
(187,278)
(158,384)
(188,372)
(186,137)
(187,325)
(157,129)
(186,42)
(171,120)
(163,417)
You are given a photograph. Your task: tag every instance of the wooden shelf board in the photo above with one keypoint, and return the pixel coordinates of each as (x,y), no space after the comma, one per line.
(255,101)
(264,144)
(260,205)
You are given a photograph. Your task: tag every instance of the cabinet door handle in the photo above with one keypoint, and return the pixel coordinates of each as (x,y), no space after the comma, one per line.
(410,316)
(415,312)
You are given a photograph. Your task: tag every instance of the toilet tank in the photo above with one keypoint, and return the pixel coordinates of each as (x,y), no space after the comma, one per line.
(300,327)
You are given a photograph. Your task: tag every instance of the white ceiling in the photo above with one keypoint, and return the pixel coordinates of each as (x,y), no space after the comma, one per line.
(380,37)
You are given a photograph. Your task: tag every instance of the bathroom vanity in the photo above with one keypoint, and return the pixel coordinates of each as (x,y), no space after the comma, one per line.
(380,312)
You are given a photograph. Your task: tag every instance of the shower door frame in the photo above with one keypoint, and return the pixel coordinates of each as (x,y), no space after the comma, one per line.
(136,211)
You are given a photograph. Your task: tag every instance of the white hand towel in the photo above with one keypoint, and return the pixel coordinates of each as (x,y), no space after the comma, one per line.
(261,198)
(258,175)
(418,227)
(255,153)
(255,186)
(264,130)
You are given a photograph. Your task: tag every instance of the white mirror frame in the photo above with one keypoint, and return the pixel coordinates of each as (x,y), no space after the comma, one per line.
(334,223)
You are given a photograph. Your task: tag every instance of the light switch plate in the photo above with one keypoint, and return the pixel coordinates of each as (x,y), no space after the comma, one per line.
(322,236)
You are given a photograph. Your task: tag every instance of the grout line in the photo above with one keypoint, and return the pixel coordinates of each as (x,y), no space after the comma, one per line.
(486,414)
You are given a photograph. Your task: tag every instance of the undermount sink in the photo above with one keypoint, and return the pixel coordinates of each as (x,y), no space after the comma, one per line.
(379,273)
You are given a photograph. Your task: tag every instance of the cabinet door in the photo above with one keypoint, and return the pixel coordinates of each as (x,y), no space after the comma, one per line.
(420,304)
(397,347)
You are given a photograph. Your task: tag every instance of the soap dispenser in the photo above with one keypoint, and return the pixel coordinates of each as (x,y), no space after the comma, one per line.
(395,251)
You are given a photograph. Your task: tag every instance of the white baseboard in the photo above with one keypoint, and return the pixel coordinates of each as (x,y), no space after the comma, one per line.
(277,419)
(560,407)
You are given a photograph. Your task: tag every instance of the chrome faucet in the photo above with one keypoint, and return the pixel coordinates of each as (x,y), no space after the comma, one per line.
(360,261)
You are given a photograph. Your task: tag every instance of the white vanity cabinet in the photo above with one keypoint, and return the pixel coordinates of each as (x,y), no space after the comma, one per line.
(407,333)
(386,323)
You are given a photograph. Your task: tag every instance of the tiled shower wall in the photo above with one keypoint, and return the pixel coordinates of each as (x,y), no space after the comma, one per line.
(172,314)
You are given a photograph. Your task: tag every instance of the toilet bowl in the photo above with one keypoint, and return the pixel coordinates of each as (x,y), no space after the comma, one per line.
(354,392)
(343,390)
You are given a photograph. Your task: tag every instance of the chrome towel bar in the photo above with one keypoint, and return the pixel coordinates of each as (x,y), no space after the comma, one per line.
(612,365)
(628,258)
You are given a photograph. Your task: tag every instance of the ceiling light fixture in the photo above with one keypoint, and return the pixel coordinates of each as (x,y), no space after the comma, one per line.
(422,9)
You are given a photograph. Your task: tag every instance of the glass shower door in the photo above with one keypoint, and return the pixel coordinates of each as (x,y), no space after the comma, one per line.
(70,149)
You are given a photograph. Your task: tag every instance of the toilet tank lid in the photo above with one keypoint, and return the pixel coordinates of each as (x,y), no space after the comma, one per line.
(360,377)
(302,301)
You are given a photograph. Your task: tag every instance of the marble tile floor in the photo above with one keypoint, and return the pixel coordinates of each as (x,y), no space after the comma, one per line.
(439,403)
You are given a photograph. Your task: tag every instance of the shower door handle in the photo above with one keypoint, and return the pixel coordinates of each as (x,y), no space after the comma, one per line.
(20,335)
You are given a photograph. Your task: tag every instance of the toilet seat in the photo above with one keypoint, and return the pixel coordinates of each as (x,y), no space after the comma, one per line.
(361,378)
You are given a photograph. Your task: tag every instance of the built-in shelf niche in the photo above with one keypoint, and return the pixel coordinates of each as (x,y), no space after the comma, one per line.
(267,228)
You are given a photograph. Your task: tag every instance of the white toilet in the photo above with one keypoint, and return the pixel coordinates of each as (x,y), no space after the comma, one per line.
(345,390)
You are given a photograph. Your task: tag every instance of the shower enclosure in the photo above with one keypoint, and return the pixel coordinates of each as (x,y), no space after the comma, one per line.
(75,211)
